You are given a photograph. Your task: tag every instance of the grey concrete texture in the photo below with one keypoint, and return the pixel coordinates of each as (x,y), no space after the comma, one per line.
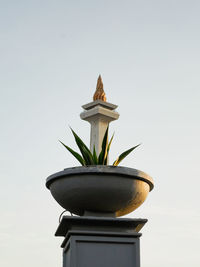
(111,190)
(101,251)
(100,242)
(100,224)
(99,103)
(107,114)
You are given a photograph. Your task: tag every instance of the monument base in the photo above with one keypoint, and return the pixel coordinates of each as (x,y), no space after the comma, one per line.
(100,241)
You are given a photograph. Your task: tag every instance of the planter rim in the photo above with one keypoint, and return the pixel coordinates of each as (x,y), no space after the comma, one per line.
(101,169)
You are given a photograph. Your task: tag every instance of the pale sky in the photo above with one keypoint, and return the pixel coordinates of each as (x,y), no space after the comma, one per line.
(148,53)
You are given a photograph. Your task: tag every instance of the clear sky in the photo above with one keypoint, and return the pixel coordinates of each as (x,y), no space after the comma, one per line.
(51,53)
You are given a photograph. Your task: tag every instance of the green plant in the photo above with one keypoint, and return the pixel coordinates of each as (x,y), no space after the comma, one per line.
(88,158)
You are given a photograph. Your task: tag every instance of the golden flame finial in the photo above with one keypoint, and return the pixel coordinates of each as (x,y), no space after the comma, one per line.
(99,93)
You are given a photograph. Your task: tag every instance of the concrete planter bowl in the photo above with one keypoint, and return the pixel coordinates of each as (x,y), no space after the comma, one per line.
(100,190)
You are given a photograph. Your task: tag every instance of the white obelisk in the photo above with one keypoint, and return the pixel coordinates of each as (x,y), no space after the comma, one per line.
(99,114)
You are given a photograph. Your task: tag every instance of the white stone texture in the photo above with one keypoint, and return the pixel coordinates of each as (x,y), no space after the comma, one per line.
(99,114)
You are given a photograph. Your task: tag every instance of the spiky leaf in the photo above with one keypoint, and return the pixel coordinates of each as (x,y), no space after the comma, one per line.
(123,155)
(75,154)
(95,159)
(86,154)
(104,145)
(88,157)
(107,151)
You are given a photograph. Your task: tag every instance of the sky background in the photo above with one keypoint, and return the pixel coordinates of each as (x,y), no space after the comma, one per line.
(148,53)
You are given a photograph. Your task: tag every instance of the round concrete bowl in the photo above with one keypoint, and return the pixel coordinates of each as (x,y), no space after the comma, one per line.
(100,189)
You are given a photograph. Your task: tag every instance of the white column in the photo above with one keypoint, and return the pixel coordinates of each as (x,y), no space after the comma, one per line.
(99,114)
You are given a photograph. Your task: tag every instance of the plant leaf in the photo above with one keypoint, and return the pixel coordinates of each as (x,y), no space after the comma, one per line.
(104,145)
(107,151)
(123,155)
(86,154)
(95,159)
(75,154)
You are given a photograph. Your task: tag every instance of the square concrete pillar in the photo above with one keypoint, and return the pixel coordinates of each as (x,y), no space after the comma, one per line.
(100,242)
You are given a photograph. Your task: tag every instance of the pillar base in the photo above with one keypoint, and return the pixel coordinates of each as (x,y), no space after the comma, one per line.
(97,242)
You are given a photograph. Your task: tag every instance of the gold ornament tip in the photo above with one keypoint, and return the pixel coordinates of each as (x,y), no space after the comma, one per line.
(99,93)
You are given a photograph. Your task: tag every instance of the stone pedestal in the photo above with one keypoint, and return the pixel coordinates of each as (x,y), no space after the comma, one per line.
(100,241)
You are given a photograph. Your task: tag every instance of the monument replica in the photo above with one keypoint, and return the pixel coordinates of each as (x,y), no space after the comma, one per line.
(98,194)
